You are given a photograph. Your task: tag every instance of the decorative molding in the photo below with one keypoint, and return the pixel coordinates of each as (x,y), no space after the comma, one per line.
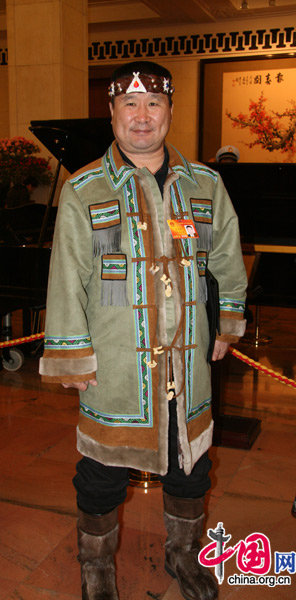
(207,44)
(259,41)
(3,57)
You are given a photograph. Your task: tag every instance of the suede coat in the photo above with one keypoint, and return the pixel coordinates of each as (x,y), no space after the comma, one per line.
(126,304)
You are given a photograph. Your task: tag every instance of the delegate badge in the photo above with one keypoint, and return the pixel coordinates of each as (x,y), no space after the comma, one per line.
(182,228)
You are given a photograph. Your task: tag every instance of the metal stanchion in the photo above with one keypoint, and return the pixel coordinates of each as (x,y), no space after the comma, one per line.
(143,479)
(256,339)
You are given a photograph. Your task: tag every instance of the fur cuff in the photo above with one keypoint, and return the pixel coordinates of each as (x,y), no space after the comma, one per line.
(57,367)
(232,327)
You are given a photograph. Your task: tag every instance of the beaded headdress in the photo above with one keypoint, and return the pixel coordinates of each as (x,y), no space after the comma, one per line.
(141,82)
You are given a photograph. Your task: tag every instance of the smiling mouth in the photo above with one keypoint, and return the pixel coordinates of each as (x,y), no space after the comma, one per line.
(141,130)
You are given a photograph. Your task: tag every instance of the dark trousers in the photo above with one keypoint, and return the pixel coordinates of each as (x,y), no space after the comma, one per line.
(101,488)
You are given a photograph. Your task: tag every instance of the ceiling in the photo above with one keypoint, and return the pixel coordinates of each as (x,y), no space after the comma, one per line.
(124,14)
(109,15)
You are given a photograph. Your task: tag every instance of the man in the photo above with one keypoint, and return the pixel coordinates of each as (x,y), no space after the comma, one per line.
(227,154)
(20,193)
(127,326)
(190,230)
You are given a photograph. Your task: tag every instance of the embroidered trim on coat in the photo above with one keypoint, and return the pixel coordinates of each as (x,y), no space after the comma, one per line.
(201,258)
(202,210)
(116,177)
(190,283)
(202,170)
(198,410)
(230,305)
(79,181)
(105,214)
(71,343)
(114,266)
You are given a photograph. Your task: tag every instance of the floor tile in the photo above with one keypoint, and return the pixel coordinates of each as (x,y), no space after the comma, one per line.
(45,483)
(226,462)
(30,436)
(60,571)
(6,587)
(26,537)
(264,475)
(65,449)
(144,511)
(27,592)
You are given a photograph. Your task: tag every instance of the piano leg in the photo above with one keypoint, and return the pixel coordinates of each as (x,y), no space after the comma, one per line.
(229,430)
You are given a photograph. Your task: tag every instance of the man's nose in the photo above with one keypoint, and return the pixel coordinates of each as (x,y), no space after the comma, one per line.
(142,115)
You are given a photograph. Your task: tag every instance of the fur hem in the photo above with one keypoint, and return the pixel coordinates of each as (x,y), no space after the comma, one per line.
(57,367)
(122,456)
(235,327)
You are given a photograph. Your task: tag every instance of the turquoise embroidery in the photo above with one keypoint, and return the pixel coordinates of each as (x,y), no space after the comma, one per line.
(198,410)
(81,180)
(106,215)
(201,264)
(200,170)
(69,343)
(119,420)
(230,305)
(114,268)
(116,178)
(190,328)
(202,210)
(190,311)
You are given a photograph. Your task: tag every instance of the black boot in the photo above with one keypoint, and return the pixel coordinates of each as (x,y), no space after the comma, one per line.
(184,519)
(97,543)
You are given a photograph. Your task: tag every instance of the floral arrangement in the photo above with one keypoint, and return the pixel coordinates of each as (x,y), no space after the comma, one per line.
(272,131)
(18,161)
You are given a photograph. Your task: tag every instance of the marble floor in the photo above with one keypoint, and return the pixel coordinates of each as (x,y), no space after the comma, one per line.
(252,490)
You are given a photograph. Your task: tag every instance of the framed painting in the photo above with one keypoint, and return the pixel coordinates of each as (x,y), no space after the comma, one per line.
(250,104)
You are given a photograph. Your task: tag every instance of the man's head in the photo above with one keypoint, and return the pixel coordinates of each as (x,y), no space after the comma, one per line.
(190,230)
(31,183)
(141,107)
(229,154)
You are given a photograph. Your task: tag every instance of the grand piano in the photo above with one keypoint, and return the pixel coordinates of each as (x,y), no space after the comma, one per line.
(27,230)
(264,197)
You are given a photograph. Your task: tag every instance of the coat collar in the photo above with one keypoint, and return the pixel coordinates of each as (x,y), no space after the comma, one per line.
(117,172)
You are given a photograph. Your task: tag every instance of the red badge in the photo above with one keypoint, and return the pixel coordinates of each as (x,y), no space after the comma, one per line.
(182,228)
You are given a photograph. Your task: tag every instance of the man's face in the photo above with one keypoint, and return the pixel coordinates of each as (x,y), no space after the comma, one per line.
(141,121)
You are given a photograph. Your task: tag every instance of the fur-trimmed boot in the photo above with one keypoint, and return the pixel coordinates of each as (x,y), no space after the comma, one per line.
(97,543)
(184,519)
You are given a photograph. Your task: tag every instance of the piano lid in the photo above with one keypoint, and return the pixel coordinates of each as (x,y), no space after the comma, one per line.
(263,195)
(74,142)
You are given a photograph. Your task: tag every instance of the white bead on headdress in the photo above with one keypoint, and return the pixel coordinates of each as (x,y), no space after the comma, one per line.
(166,85)
(136,85)
(112,89)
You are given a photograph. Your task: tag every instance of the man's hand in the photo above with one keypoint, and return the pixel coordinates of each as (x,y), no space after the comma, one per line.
(81,385)
(220,349)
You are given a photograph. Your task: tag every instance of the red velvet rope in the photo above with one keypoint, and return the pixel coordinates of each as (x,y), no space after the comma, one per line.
(236,353)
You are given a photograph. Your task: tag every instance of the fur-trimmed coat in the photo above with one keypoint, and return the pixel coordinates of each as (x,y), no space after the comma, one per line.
(126,304)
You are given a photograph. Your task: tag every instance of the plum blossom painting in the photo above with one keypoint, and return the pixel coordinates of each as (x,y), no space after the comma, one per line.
(259,114)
